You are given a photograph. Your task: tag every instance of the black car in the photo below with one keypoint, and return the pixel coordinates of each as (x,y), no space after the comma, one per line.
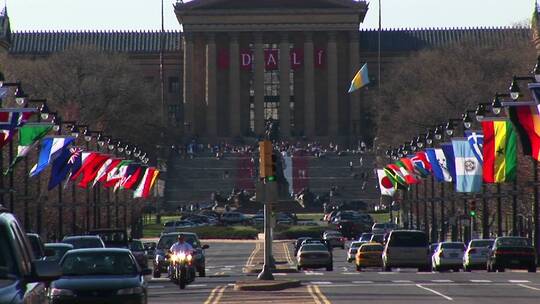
(512,253)
(84,241)
(37,245)
(99,275)
(112,237)
(59,250)
(298,243)
(160,262)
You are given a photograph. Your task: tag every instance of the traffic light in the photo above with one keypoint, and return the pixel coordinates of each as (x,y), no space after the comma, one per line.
(472,211)
(267,160)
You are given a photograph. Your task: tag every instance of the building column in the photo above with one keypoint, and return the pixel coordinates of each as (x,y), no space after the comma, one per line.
(284,86)
(309,86)
(211,86)
(258,83)
(189,106)
(332,68)
(234,86)
(354,98)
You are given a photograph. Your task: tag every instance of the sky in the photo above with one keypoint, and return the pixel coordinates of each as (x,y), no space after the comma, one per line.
(33,15)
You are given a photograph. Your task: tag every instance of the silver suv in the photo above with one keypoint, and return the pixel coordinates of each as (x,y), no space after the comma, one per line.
(406,248)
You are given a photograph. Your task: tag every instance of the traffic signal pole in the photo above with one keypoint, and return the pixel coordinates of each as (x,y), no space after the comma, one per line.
(268,195)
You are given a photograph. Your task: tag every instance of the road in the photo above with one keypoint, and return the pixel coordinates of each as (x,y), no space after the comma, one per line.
(226,260)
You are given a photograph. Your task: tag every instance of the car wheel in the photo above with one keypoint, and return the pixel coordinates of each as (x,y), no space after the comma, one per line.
(358,268)
(532,269)
(298,267)
(330,267)
(466,268)
(490,268)
(386,268)
(156,274)
(202,272)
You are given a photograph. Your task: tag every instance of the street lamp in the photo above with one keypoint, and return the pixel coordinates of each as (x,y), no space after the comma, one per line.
(480,112)
(100,139)
(74,130)
(429,137)
(20,96)
(120,147)
(496,105)
(420,140)
(87,134)
(515,91)
(467,120)
(438,133)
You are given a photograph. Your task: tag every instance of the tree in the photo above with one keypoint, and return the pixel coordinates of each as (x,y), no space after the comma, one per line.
(103,90)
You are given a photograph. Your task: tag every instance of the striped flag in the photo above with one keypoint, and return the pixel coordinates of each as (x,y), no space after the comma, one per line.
(500,151)
(476,140)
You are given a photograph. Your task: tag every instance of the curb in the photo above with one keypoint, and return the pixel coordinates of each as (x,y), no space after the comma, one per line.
(266,285)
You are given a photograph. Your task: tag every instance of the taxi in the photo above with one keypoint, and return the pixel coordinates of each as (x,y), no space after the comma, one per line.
(369,255)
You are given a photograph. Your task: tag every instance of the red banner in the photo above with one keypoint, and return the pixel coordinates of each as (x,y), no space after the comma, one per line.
(246,59)
(223,59)
(297,58)
(271,59)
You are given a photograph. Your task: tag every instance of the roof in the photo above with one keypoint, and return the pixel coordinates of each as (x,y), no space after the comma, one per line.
(392,40)
(111,41)
(91,250)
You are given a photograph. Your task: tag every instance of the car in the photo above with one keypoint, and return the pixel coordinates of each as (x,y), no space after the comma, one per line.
(165,242)
(406,248)
(112,237)
(37,245)
(512,253)
(172,226)
(335,238)
(84,241)
(369,255)
(257,220)
(230,218)
(365,237)
(476,254)
(150,248)
(299,243)
(314,256)
(382,228)
(137,249)
(59,250)
(377,238)
(448,255)
(99,275)
(351,254)
(23,279)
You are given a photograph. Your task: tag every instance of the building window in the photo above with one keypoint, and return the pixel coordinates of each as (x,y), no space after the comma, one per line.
(174,85)
(173,112)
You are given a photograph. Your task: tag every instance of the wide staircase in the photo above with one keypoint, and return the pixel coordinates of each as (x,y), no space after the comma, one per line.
(193,180)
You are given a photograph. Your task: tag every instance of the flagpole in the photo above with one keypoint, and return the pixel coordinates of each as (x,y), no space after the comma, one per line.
(443,224)
(417,208)
(426,220)
(485,214)
(379,47)
(433,214)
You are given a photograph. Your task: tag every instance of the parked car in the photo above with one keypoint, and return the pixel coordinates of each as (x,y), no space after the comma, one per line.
(24,279)
(37,245)
(84,241)
(476,254)
(406,248)
(369,255)
(59,250)
(112,237)
(335,238)
(172,226)
(160,263)
(314,256)
(351,254)
(230,218)
(99,275)
(137,249)
(512,253)
(448,255)
(382,228)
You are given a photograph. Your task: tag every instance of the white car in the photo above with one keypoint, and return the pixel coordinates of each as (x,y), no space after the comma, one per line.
(448,255)
(383,228)
(477,253)
(351,254)
(173,225)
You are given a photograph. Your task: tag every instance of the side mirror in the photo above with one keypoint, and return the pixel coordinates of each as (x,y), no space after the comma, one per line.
(205,246)
(146,271)
(49,252)
(45,271)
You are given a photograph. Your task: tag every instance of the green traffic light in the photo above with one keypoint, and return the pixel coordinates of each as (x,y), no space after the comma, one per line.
(271,178)
(472,213)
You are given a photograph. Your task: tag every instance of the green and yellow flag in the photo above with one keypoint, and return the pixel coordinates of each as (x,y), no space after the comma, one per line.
(500,152)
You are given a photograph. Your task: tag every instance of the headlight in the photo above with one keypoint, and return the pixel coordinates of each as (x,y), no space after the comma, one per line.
(181,256)
(189,257)
(57,292)
(130,291)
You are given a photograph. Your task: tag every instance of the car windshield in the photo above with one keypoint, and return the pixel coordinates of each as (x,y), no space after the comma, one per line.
(377,237)
(136,246)
(166,241)
(114,238)
(483,243)
(366,248)
(460,246)
(333,234)
(98,263)
(59,252)
(36,248)
(8,269)
(90,242)
(366,236)
(169,224)
(513,242)
(379,226)
(314,247)
(408,239)
(356,244)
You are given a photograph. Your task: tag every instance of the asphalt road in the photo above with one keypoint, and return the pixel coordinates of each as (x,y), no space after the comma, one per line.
(225,262)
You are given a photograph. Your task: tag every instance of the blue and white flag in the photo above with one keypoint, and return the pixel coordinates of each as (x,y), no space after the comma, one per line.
(51,147)
(448,151)
(468,167)
(438,165)
(476,140)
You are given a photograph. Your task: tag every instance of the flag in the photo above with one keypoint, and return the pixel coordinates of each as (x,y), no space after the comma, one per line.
(76,160)
(146,183)
(526,120)
(29,136)
(393,172)
(500,151)
(476,140)
(116,173)
(60,168)
(131,178)
(3,92)
(10,121)
(360,79)
(407,170)
(421,163)
(51,147)
(106,168)
(124,172)
(90,168)
(438,165)
(468,167)
(448,151)
(385,184)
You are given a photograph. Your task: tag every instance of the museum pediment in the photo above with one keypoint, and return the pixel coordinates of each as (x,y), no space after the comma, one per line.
(267,4)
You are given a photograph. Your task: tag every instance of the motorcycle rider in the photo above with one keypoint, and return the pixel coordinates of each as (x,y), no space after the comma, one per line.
(181,246)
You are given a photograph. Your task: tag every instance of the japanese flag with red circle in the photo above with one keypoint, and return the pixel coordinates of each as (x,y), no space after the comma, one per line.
(385,184)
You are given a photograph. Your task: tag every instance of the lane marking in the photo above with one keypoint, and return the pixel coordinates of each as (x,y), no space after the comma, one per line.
(313,295)
(313,273)
(480,281)
(211,295)
(317,295)
(350,273)
(251,257)
(323,298)
(320,282)
(529,287)
(196,285)
(219,294)
(362,282)
(287,254)
(442,281)
(279,274)
(155,286)
(519,281)
(402,281)
(382,272)
(435,292)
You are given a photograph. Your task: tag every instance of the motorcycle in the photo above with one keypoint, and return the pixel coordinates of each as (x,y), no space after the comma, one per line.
(181,270)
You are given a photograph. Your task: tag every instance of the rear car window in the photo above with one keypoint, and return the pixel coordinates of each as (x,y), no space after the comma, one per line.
(453,246)
(314,247)
(366,248)
(356,245)
(408,239)
(378,226)
(475,244)
(513,242)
